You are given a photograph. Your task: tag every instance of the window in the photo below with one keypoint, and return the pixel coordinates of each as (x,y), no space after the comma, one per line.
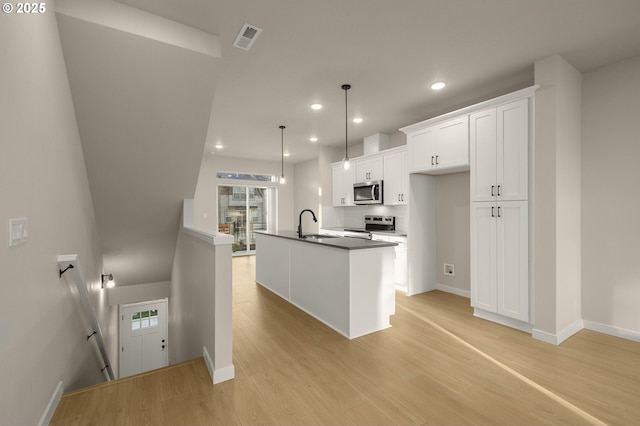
(246,177)
(144,319)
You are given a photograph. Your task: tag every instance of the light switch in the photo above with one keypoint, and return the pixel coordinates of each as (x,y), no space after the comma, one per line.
(17,231)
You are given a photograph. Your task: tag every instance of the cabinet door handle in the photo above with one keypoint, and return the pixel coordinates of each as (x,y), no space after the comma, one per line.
(492,213)
(437,160)
(492,188)
(499,192)
(432,161)
(499,212)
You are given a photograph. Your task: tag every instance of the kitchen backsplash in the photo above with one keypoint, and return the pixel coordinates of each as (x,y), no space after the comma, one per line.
(353,217)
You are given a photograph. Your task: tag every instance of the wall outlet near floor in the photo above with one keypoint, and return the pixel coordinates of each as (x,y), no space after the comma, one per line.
(448,269)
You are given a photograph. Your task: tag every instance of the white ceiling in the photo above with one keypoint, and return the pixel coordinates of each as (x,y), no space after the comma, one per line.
(389,51)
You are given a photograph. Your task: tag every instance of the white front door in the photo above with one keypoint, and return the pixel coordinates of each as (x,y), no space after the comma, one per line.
(143,337)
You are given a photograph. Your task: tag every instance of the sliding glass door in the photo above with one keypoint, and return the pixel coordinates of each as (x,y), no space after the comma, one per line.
(241,211)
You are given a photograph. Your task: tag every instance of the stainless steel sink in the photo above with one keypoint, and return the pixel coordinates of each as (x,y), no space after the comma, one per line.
(317,236)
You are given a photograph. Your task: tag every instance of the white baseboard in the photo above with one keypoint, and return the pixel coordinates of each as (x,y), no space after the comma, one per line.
(218,375)
(612,330)
(509,322)
(556,339)
(53,404)
(224,374)
(454,290)
(208,361)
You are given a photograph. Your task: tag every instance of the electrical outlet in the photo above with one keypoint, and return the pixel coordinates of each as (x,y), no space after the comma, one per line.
(448,269)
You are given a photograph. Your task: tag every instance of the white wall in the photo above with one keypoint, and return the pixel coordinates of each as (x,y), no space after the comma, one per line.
(307,194)
(200,319)
(610,200)
(557,267)
(191,305)
(453,231)
(43,178)
(206,194)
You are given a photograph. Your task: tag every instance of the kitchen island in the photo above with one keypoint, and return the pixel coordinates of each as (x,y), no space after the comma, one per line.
(347,283)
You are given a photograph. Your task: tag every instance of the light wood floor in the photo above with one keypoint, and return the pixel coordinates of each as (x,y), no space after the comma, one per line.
(436,365)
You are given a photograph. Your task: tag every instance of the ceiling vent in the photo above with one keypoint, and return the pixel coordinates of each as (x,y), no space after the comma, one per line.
(247,36)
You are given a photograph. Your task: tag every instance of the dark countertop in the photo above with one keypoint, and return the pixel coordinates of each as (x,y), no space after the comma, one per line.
(344,243)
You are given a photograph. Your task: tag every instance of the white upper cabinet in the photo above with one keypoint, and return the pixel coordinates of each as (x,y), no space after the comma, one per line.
(441,148)
(499,140)
(396,180)
(452,144)
(342,185)
(421,149)
(369,169)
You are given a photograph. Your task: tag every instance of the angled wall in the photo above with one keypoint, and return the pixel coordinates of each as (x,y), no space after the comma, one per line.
(143,88)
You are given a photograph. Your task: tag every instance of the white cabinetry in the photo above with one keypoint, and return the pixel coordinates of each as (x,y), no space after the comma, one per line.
(499,152)
(396,182)
(390,166)
(499,147)
(440,148)
(342,185)
(369,169)
(499,258)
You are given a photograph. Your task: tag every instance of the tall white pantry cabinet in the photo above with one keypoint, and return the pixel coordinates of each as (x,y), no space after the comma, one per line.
(499,148)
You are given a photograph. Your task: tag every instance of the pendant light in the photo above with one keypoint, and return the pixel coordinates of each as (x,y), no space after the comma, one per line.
(282,179)
(345,161)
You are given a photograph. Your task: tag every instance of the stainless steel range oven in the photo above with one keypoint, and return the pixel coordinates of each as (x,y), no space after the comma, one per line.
(372,223)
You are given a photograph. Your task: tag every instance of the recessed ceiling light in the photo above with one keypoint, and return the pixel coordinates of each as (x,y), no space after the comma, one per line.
(438,85)
(358,120)
(219,145)
(313,139)
(316,106)
(286,154)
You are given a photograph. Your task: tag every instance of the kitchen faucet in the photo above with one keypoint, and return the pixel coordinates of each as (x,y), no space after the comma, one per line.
(300,220)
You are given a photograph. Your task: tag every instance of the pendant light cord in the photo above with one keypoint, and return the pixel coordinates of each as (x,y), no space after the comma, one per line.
(282,145)
(346,87)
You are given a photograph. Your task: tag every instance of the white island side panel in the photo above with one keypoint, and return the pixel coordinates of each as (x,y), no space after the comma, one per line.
(272,265)
(372,290)
(320,283)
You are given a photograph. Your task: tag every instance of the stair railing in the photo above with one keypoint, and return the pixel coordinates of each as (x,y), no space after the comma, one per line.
(69,264)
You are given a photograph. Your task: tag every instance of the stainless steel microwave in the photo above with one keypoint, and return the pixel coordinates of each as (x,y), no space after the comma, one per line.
(367,192)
